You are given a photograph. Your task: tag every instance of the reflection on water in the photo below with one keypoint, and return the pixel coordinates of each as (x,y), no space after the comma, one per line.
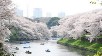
(39,50)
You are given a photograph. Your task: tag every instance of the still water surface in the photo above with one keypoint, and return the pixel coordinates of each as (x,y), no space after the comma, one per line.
(39,50)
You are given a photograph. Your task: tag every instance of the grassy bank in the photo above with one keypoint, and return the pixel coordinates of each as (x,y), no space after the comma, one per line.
(84,45)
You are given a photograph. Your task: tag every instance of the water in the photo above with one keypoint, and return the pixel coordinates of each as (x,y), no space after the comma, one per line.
(39,50)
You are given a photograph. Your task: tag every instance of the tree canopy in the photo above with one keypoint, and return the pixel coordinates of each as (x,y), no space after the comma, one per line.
(96,2)
(53,22)
(75,26)
(6,13)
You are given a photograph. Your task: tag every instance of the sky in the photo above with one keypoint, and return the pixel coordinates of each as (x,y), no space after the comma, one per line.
(70,7)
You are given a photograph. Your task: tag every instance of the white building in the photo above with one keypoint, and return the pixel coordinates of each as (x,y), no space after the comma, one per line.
(37,13)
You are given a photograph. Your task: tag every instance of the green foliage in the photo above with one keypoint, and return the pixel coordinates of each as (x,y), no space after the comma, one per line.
(95,46)
(53,22)
(63,40)
(14,31)
(83,36)
(100,50)
(98,54)
(96,2)
(17,34)
(99,36)
(82,44)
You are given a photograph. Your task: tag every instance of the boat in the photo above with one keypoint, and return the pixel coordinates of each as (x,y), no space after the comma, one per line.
(54,39)
(47,50)
(28,52)
(14,52)
(17,48)
(27,42)
(42,44)
(22,42)
(27,47)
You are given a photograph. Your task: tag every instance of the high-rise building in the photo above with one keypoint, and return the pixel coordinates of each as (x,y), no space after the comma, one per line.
(37,13)
(19,12)
(61,14)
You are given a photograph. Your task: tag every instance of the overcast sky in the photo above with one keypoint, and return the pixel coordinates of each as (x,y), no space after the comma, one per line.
(55,6)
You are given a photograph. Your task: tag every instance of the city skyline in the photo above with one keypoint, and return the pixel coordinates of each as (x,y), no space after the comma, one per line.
(37,13)
(70,7)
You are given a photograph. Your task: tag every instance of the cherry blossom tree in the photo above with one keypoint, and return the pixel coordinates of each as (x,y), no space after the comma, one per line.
(6,13)
(29,29)
(75,26)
